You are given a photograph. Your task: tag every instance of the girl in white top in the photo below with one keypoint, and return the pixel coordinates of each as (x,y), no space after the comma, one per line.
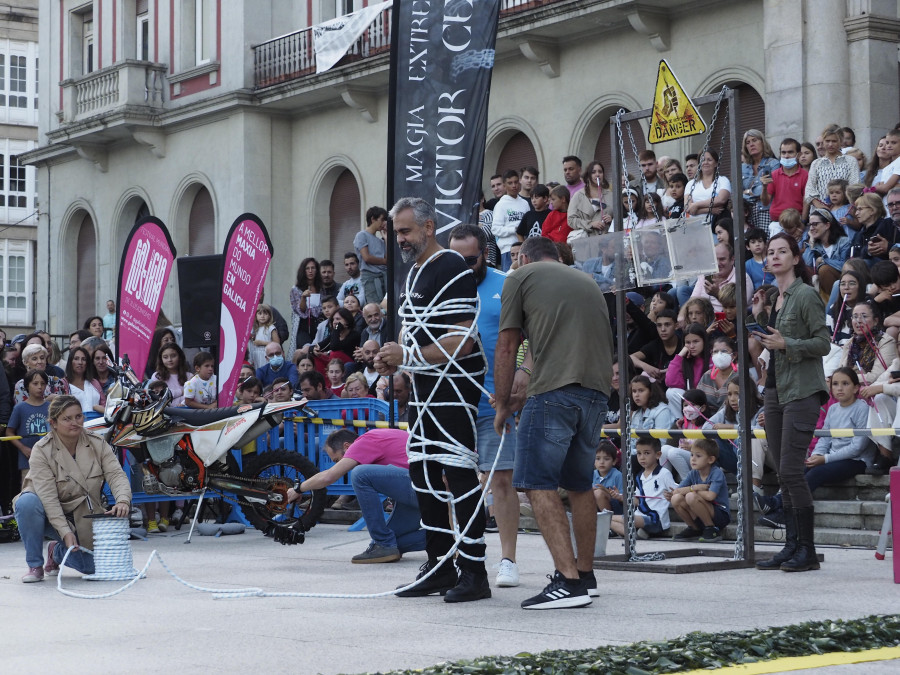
(172,369)
(82,383)
(263,333)
(698,193)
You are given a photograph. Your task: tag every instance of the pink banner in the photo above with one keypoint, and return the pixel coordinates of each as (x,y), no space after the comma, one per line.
(247,254)
(143,275)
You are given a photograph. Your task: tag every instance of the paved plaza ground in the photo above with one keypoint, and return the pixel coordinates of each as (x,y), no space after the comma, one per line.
(161,626)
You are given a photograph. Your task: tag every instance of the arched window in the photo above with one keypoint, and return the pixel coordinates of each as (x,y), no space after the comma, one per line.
(202,225)
(517,153)
(86,271)
(343,217)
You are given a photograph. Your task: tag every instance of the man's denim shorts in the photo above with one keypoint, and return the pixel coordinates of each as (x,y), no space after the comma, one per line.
(557,439)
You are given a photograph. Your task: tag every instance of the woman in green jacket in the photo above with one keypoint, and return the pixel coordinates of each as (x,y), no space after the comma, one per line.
(797,339)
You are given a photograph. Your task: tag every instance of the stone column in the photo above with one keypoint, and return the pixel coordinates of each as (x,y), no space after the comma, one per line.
(873,30)
(826,76)
(783,31)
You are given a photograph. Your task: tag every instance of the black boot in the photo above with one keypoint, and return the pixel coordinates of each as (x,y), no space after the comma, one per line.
(805,558)
(439,582)
(791,543)
(472,585)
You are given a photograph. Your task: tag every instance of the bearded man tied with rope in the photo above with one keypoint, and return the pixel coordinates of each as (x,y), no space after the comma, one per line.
(440,348)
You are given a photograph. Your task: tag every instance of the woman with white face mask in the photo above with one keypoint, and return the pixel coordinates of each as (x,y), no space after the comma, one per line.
(714,382)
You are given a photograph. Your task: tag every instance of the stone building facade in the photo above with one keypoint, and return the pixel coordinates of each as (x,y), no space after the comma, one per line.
(196,111)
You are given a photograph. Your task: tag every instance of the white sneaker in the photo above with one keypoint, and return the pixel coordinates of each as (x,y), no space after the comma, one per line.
(177,516)
(507,573)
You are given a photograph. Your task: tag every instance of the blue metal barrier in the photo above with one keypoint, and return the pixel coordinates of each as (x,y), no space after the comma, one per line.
(311,437)
(298,435)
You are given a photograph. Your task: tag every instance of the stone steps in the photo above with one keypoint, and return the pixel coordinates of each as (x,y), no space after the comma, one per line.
(863,488)
(847,514)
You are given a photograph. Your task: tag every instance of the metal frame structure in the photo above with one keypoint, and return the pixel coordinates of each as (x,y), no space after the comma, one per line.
(625,562)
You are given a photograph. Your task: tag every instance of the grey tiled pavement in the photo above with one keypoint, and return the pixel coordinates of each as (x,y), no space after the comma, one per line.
(161,626)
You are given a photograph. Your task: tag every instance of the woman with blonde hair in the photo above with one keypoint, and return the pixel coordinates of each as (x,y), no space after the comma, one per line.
(830,166)
(757,159)
(355,386)
(62,487)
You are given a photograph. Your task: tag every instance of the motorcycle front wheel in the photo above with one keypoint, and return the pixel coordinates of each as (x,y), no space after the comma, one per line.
(280,468)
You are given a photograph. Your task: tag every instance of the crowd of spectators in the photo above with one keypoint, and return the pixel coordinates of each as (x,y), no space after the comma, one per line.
(842,211)
(840,207)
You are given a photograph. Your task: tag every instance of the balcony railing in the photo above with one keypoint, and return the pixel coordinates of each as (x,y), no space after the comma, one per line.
(129,83)
(293,56)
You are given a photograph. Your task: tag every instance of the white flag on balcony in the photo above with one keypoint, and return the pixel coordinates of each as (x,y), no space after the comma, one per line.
(333,38)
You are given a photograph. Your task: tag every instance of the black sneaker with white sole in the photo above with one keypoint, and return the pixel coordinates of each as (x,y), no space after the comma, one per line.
(560,593)
(590,582)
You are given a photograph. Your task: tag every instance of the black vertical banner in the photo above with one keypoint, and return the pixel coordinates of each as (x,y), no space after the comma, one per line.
(442,56)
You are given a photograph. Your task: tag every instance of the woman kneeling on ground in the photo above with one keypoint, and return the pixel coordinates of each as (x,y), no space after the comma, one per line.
(67,470)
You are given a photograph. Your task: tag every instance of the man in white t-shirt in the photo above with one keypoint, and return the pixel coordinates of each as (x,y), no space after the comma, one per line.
(353,285)
(507,215)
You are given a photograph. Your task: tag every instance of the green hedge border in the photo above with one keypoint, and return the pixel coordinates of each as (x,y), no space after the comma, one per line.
(692,651)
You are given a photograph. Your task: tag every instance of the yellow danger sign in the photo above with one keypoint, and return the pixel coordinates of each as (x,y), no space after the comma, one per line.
(673,116)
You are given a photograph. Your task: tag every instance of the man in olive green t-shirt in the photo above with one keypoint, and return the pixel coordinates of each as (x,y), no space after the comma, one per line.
(570,344)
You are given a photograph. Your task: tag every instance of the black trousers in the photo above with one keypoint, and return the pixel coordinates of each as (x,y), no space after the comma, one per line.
(789,430)
(446,425)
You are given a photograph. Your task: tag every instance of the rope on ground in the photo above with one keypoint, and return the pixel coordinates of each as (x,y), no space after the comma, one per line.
(117,563)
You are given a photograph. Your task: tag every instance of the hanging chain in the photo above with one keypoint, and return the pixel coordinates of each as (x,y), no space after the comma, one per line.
(644,188)
(631,216)
(739,446)
(697,176)
(624,441)
(630,541)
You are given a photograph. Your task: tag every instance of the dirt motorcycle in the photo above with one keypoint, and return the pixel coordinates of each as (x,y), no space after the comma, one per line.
(183,452)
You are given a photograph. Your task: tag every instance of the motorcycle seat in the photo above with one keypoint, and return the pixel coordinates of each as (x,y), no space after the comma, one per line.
(199,418)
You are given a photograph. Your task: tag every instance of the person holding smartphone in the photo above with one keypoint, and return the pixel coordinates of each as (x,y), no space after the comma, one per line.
(877,232)
(797,340)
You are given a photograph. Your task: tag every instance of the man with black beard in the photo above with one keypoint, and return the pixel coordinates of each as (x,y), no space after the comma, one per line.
(441,352)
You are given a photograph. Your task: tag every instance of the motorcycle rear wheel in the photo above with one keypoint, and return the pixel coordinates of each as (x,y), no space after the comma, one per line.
(292,467)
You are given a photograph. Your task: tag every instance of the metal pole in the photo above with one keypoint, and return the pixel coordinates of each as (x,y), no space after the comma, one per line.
(618,172)
(746,410)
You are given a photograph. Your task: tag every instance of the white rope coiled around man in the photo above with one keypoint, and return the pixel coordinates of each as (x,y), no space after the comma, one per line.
(425,323)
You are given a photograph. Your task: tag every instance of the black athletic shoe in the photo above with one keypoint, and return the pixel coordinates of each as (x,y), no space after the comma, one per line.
(471,586)
(439,582)
(491,525)
(688,534)
(763,504)
(711,534)
(590,582)
(559,594)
